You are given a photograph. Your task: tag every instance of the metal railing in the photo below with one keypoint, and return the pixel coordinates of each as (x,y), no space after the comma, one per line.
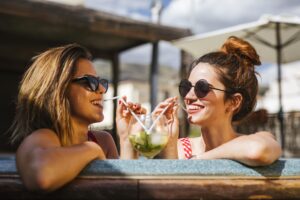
(262,121)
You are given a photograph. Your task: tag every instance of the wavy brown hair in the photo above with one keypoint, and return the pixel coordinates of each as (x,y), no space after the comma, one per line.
(42,99)
(235,65)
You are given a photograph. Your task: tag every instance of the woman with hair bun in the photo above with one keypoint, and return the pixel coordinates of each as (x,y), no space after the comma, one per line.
(221,89)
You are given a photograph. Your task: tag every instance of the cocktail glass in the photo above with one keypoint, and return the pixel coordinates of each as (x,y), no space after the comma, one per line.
(148,134)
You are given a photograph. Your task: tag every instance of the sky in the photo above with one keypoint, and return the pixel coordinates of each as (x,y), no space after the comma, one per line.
(200,16)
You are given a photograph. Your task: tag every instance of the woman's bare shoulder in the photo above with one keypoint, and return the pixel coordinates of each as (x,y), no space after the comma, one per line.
(258,134)
(38,139)
(42,136)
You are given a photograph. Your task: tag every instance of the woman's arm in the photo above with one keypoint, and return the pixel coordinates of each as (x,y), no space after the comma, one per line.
(257,149)
(44,165)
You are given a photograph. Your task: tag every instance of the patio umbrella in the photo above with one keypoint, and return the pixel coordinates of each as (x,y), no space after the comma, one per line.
(276,39)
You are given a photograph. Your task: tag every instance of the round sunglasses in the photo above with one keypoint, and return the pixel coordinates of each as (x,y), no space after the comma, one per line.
(92,82)
(201,88)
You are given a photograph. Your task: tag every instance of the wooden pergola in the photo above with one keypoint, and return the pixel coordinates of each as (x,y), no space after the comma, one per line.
(29,27)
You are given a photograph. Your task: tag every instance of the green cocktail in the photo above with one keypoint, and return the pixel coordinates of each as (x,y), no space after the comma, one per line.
(149,145)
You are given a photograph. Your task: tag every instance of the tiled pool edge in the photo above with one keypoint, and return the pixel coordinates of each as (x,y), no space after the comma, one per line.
(162,167)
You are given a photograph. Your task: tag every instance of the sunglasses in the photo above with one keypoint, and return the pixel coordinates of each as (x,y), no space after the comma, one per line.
(201,88)
(92,82)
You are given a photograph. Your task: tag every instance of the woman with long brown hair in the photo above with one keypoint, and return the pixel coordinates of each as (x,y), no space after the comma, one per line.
(60,95)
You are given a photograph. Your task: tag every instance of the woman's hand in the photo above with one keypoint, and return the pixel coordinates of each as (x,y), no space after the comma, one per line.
(171,115)
(123,118)
(170,150)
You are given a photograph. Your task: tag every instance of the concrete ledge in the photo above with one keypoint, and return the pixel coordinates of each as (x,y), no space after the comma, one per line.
(287,168)
(166,179)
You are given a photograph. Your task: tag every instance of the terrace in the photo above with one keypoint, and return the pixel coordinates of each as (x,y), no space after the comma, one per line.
(29,27)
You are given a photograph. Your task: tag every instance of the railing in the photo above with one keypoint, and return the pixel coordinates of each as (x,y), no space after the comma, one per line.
(166,179)
(260,120)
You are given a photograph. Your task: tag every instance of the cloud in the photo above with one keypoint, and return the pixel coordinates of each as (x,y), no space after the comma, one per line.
(130,8)
(168,55)
(207,15)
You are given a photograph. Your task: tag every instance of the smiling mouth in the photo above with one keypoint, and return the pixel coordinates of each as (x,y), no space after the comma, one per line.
(194,108)
(97,103)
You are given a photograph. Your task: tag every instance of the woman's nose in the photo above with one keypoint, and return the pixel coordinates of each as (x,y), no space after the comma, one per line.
(101,89)
(191,94)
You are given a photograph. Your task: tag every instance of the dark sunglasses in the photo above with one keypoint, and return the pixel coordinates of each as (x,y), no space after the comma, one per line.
(92,82)
(201,88)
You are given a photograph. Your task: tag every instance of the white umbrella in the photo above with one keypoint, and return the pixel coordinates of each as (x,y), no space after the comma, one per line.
(276,39)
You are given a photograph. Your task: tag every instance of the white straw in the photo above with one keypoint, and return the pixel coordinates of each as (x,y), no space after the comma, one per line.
(113,98)
(137,118)
(155,121)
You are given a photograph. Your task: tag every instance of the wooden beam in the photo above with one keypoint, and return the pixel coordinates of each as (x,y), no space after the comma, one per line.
(12,188)
(87,20)
(102,188)
(219,189)
(32,30)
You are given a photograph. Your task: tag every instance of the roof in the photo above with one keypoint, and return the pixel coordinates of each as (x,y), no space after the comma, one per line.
(29,27)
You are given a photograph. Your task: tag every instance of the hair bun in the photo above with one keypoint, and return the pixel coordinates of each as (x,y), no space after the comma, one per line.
(242,49)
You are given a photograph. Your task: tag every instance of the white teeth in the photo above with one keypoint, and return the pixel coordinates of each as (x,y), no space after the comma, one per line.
(193,107)
(97,103)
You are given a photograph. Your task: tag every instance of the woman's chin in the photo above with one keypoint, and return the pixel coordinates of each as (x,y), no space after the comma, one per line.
(98,118)
(195,119)
(192,120)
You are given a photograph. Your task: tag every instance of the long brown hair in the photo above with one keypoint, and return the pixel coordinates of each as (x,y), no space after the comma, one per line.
(42,100)
(234,63)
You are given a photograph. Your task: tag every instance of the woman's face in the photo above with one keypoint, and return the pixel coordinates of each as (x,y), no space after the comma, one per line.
(86,105)
(210,109)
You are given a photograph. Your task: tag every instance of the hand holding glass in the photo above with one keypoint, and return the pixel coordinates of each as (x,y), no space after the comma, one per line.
(150,137)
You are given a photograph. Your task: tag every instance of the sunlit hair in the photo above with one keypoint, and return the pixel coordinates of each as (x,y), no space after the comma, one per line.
(42,99)
(234,63)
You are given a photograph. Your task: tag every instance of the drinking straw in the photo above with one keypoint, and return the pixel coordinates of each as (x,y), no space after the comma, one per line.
(113,98)
(134,115)
(155,121)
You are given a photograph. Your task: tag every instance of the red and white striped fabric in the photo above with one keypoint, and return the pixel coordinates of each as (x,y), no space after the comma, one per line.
(187,147)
